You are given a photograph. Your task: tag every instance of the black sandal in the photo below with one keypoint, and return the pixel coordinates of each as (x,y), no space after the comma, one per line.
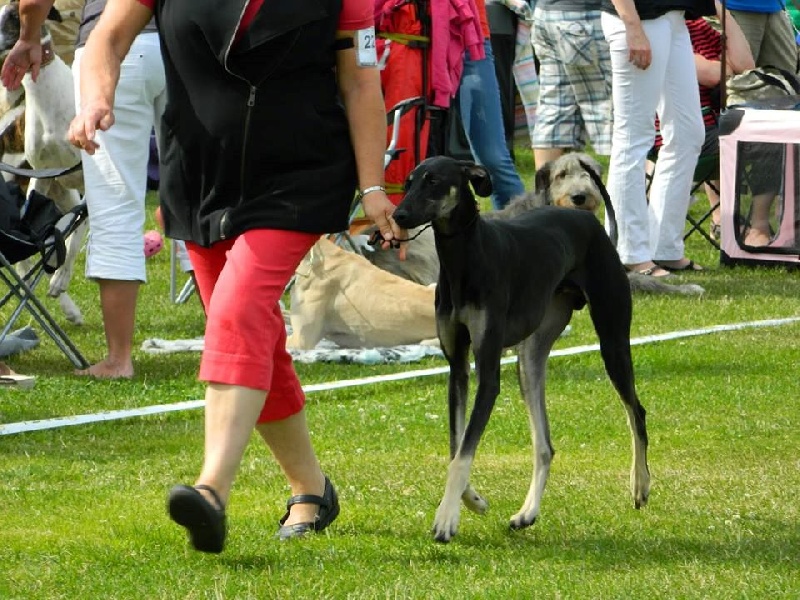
(205,522)
(328,511)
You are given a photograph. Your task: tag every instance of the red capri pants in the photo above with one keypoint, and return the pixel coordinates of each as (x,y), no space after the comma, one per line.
(241,282)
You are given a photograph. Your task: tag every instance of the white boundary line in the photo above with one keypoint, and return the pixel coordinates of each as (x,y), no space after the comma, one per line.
(26,426)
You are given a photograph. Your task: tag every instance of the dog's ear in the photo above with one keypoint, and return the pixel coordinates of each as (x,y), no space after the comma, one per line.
(54,15)
(541,181)
(478,176)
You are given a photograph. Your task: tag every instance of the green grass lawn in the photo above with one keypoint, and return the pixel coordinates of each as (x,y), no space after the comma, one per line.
(82,508)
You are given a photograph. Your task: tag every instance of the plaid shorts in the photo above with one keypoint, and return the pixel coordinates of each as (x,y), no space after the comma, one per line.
(574,81)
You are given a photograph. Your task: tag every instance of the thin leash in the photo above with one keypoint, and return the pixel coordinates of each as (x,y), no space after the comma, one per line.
(377,238)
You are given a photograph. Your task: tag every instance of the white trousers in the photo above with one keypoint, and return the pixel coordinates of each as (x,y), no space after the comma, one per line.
(668,88)
(116,175)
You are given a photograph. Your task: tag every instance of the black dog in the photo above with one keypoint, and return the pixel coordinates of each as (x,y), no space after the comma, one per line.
(506,282)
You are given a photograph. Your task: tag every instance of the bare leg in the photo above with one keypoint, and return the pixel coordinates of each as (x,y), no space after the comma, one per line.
(289,441)
(758,234)
(713,203)
(542,156)
(118,304)
(231,413)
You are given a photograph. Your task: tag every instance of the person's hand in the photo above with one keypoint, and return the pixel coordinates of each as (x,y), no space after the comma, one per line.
(378,209)
(639,52)
(84,126)
(23,57)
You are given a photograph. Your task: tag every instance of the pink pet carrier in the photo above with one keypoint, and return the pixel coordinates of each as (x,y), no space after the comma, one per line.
(760,169)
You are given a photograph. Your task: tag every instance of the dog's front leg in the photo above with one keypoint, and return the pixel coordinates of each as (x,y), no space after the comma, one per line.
(61,279)
(447,519)
(455,342)
(531,366)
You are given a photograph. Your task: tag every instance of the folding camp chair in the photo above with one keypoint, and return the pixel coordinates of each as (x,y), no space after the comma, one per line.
(33,235)
(706,173)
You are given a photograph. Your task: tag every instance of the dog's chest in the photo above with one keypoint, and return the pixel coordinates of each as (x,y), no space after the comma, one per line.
(49,105)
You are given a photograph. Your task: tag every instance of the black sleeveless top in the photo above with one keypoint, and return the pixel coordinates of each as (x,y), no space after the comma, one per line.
(652,9)
(254,134)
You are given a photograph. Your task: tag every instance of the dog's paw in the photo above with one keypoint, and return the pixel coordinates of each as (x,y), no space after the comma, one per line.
(640,486)
(522,519)
(70,309)
(641,495)
(474,501)
(445,524)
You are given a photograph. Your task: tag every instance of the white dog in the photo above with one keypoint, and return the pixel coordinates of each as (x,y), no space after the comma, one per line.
(49,109)
(341,296)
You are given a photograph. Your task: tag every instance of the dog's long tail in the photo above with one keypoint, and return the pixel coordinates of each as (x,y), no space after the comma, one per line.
(611,215)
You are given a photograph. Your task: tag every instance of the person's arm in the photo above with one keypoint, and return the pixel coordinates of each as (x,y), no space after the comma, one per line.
(106,48)
(639,51)
(26,55)
(708,71)
(738,55)
(360,88)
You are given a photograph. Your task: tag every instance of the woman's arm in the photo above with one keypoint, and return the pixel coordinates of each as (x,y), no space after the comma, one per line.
(106,48)
(708,71)
(360,87)
(738,55)
(639,51)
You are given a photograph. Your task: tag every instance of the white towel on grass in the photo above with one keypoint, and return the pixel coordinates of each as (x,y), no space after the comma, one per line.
(325,351)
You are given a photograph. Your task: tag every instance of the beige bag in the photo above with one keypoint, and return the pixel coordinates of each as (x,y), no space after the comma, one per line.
(761,83)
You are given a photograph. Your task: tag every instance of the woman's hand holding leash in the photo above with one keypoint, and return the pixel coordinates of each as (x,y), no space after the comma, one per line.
(378,209)
(95,115)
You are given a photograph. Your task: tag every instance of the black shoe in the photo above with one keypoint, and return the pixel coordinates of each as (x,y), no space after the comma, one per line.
(204,521)
(327,512)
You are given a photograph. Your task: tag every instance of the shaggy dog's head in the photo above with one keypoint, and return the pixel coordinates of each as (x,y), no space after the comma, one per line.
(567,182)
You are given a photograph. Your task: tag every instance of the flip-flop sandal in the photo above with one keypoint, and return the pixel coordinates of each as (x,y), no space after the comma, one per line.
(690,266)
(649,272)
(204,521)
(328,511)
(16,381)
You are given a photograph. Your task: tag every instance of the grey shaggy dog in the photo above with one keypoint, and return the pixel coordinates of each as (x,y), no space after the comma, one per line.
(566,182)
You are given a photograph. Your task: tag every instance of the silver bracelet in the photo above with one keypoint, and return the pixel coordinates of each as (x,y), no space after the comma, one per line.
(370,189)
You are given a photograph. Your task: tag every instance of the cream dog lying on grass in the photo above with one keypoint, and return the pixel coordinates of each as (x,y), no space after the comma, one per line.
(341,296)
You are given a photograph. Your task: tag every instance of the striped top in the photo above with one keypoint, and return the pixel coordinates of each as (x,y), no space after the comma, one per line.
(706,42)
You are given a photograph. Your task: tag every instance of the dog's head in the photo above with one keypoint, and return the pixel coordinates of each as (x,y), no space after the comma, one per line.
(436,187)
(10,27)
(568,182)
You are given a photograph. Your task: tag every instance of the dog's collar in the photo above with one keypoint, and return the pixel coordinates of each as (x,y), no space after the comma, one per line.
(48,54)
